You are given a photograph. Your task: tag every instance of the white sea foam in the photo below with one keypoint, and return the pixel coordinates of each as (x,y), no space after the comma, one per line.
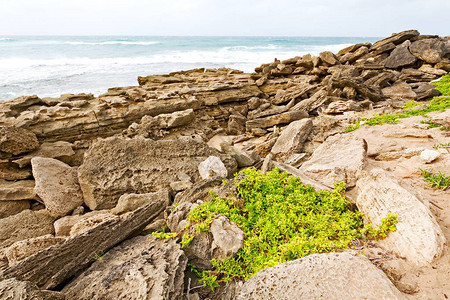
(114,43)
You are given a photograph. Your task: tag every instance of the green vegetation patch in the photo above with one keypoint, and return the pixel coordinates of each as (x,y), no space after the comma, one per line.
(440,103)
(282,219)
(437,180)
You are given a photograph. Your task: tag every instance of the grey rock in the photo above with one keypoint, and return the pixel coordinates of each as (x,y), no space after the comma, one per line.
(212,167)
(429,50)
(292,138)
(344,275)
(140,268)
(57,185)
(400,90)
(116,166)
(400,57)
(50,267)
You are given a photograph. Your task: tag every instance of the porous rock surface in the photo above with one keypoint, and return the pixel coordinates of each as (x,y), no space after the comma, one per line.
(15,140)
(57,185)
(340,158)
(418,237)
(116,166)
(140,268)
(13,289)
(346,275)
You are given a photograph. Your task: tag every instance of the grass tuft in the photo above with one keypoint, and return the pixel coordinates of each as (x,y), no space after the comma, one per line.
(437,180)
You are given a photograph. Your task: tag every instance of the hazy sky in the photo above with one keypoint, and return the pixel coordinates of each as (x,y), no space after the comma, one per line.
(223,17)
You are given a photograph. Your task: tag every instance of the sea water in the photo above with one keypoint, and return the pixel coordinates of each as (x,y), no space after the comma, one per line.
(52,65)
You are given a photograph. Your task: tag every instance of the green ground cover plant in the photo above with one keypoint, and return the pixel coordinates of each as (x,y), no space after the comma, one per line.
(438,180)
(440,103)
(282,219)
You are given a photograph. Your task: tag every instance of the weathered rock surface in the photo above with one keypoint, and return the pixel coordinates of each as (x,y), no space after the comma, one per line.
(442,118)
(400,57)
(340,158)
(116,166)
(22,249)
(15,140)
(24,225)
(400,90)
(429,156)
(292,138)
(130,202)
(64,225)
(17,190)
(396,38)
(344,275)
(13,289)
(140,268)
(212,167)
(418,237)
(58,150)
(429,50)
(57,185)
(11,171)
(283,118)
(54,265)
(9,208)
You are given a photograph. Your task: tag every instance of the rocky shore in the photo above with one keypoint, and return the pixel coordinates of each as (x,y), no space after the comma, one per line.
(85,180)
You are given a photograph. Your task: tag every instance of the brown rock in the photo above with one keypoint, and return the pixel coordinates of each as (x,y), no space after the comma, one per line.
(13,289)
(24,225)
(130,202)
(396,38)
(429,50)
(329,58)
(283,118)
(9,208)
(17,190)
(292,138)
(430,70)
(15,140)
(59,150)
(22,249)
(10,171)
(57,185)
(400,91)
(400,57)
(50,267)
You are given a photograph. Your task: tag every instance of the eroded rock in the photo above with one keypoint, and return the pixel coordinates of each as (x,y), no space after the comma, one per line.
(292,139)
(15,140)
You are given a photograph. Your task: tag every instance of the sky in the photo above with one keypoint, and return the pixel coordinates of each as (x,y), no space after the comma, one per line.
(223,18)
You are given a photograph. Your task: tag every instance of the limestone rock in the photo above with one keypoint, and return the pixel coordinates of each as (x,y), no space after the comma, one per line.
(63,226)
(22,249)
(9,208)
(130,202)
(178,186)
(15,140)
(24,225)
(442,118)
(430,70)
(328,58)
(283,118)
(242,157)
(52,266)
(396,38)
(57,185)
(224,241)
(212,167)
(87,222)
(428,156)
(340,158)
(17,190)
(13,289)
(345,275)
(57,150)
(339,107)
(140,268)
(10,171)
(116,166)
(400,57)
(292,138)
(429,50)
(418,237)
(400,90)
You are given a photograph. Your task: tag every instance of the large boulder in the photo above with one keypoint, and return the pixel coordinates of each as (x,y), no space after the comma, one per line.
(344,275)
(52,266)
(140,268)
(340,158)
(116,166)
(15,140)
(429,50)
(57,185)
(22,249)
(400,57)
(395,38)
(24,225)
(292,139)
(400,90)
(418,237)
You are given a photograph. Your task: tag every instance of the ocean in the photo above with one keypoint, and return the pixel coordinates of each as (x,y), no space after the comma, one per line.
(49,66)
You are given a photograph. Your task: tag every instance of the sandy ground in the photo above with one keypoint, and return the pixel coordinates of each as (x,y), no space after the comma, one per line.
(396,148)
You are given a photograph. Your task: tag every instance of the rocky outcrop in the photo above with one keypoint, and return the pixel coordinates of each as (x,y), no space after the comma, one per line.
(17,140)
(116,166)
(344,275)
(292,139)
(418,237)
(140,268)
(339,158)
(57,185)
(50,267)
(17,190)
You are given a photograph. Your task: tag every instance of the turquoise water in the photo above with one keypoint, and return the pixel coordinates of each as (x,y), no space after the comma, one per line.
(51,65)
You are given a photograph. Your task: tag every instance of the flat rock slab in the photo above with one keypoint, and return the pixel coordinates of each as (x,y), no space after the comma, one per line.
(24,225)
(292,138)
(418,237)
(17,190)
(57,185)
(13,289)
(283,118)
(50,267)
(140,268)
(116,166)
(59,149)
(344,275)
(10,208)
(340,158)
